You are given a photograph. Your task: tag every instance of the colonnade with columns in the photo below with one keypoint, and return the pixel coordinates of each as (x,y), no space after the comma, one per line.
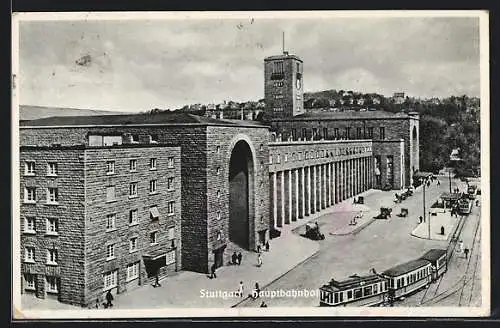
(298,192)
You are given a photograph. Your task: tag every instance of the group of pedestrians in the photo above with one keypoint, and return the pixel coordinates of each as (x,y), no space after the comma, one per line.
(463,250)
(236,258)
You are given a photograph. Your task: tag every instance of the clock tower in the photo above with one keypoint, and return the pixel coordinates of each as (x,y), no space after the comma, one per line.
(283,86)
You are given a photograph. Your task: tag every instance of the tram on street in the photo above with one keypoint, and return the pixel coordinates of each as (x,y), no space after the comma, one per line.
(437,258)
(407,278)
(358,291)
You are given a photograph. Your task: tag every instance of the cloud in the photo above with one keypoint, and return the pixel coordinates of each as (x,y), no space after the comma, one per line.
(168,63)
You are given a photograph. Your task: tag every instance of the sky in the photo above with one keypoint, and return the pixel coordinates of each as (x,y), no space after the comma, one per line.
(137,65)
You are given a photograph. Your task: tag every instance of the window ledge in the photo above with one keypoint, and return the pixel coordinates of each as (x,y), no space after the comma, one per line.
(52,175)
(170,214)
(153,244)
(31,289)
(29,202)
(134,251)
(51,234)
(133,224)
(110,258)
(29,232)
(131,197)
(52,292)
(171,189)
(29,261)
(154,193)
(110,173)
(111,230)
(51,263)
(132,171)
(29,174)
(52,203)
(132,279)
(111,201)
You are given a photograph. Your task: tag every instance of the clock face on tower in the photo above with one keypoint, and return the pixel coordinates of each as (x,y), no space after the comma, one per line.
(298,83)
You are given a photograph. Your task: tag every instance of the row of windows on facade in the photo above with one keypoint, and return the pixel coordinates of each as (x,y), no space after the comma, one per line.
(360,133)
(29,166)
(134,187)
(320,154)
(111,140)
(279,67)
(110,278)
(52,254)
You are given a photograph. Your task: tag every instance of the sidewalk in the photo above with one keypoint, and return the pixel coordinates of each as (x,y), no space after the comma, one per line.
(436,222)
(190,289)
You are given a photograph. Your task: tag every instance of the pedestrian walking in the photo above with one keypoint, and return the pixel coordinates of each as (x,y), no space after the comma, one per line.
(241,288)
(267,246)
(259,260)
(212,272)
(97,303)
(438,183)
(109,299)
(234,258)
(421,219)
(256,291)
(477,203)
(258,248)
(466,252)
(461,246)
(263,304)
(239,258)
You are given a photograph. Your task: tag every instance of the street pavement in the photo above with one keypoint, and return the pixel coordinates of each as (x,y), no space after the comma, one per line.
(381,245)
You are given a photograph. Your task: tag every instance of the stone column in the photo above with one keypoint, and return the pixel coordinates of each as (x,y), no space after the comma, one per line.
(325,186)
(288,197)
(274,200)
(302,199)
(281,197)
(307,198)
(330,184)
(296,214)
(314,190)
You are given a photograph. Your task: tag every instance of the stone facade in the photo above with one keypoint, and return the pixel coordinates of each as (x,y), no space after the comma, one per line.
(81,235)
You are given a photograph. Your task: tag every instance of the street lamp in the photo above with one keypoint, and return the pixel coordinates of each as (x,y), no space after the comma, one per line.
(423,183)
(429,225)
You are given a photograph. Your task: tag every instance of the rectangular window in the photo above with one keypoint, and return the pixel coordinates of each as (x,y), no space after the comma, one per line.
(133,165)
(52,256)
(370,133)
(171,233)
(95,140)
(110,194)
(336,300)
(315,133)
(52,195)
(170,162)
(171,207)
(112,140)
(134,138)
(51,284)
(325,133)
(304,133)
(153,237)
(349,294)
(270,159)
(132,271)
(358,133)
(170,257)
(348,132)
(29,280)
(170,183)
(375,289)
(52,169)
(294,134)
(133,244)
(278,159)
(152,163)
(110,251)
(133,217)
(132,189)
(153,213)
(358,293)
(286,158)
(152,186)
(29,225)
(110,167)
(29,254)
(29,194)
(52,226)
(29,168)
(153,138)
(110,222)
(110,279)
(336,133)
(382,133)
(367,291)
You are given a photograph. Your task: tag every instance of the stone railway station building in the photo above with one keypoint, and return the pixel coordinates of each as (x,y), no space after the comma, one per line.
(110,202)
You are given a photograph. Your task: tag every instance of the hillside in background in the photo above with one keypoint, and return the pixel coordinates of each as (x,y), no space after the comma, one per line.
(27,112)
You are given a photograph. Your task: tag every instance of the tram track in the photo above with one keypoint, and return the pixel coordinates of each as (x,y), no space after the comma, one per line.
(461,283)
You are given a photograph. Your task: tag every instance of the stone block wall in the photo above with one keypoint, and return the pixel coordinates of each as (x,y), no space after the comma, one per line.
(69,212)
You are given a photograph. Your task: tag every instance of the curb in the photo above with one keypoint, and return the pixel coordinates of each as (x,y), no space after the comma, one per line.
(355,231)
(275,279)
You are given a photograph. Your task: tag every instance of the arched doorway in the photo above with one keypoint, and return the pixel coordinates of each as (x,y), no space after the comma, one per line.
(240,191)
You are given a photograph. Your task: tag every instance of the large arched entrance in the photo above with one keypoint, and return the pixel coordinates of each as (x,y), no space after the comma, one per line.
(240,190)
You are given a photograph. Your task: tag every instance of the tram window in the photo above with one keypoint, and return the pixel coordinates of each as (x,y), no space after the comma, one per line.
(385,285)
(375,289)
(341,297)
(349,294)
(367,291)
(358,293)
(336,297)
(330,298)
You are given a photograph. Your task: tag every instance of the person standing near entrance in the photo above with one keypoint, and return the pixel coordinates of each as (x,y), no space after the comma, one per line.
(234,258)
(466,252)
(239,258)
(109,299)
(212,271)
(157,281)
(267,246)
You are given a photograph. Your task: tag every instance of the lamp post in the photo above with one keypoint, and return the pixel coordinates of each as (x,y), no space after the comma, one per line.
(449,179)
(429,225)
(423,183)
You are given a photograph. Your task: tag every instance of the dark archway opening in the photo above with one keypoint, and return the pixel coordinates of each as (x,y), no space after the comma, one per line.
(240,188)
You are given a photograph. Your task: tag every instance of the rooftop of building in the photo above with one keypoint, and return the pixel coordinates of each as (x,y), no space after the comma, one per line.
(282,57)
(348,115)
(158,118)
